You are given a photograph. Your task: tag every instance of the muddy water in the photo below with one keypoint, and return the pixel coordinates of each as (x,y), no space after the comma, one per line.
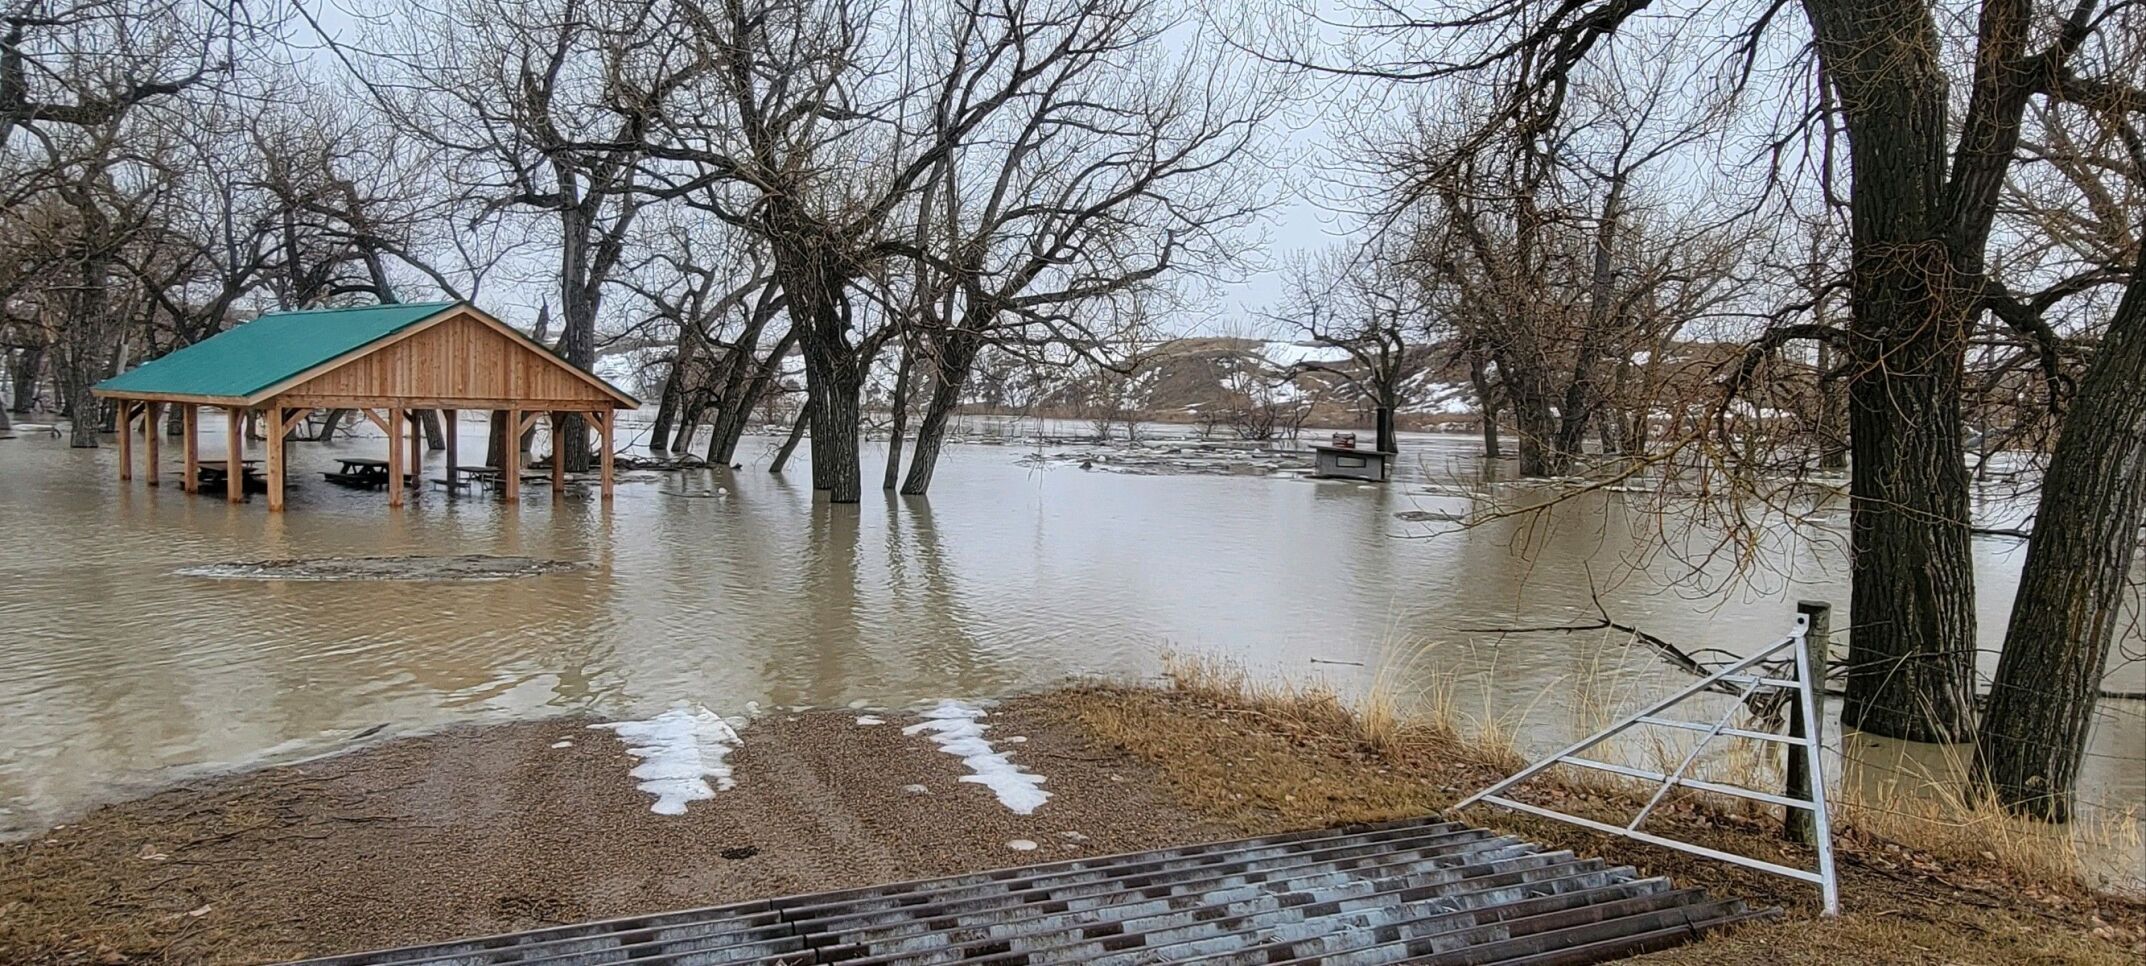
(732,587)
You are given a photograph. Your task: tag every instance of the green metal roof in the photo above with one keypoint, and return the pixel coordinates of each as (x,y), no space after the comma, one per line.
(246,359)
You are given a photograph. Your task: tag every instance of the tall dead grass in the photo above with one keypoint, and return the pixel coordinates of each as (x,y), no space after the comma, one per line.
(1414,706)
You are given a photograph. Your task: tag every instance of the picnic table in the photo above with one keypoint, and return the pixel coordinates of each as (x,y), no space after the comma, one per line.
(493,475)
(213,473)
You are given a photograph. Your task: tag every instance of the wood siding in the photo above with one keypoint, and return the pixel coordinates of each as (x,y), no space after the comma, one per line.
(457,363)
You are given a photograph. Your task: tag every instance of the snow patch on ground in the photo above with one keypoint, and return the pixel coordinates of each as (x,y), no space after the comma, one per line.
(680,750)
(954,727)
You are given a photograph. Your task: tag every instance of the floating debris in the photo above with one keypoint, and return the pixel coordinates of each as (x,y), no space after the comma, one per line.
(474,566)
(1426,516)
(954,728)
(680,750)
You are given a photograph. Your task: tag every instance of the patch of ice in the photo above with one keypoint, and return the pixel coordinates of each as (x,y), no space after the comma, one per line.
(562,744)
(680,750)
(954,728)
(1021,845)
(866,719)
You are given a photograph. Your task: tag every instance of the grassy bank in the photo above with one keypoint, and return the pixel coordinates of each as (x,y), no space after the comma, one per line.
(1940,889)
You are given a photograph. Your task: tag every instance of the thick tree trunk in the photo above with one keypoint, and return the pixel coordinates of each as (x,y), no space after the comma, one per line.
(435,431)
(789,445)
(29,367)
(659,435)
(1539,455)
(1911,656)
(957,356)
(1389,440)
(1491,449)
(2064,619)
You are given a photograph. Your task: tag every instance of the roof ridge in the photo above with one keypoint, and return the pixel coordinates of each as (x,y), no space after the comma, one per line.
(362,308)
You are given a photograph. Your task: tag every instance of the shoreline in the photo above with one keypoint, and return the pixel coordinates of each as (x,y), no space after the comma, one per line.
(480,829)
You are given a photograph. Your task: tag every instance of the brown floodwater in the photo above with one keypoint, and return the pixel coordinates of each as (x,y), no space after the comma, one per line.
(125,669)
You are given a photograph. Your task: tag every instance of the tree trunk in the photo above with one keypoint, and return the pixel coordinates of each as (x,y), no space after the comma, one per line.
(1911,655)
(659,435)
(332,422)
(1539,456)
(789,445)
(1389,441)
(435,432)
(29,367)
(898,420)
(957,356)
(2063,624)
(1491,450)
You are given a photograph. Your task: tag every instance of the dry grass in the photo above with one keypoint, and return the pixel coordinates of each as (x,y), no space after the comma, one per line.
(1266,757)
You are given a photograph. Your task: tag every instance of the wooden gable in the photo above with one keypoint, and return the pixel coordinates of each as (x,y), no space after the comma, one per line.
(463,361)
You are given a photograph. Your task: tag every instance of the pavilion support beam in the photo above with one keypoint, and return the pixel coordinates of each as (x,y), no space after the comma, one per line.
(448,424)
(190,447)
(510,476)
(275,458)
(394,456)
(234,454)
(606,419)
(126,439)
(149,443)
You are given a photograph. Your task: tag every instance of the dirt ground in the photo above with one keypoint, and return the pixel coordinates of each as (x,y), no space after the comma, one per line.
(487,830)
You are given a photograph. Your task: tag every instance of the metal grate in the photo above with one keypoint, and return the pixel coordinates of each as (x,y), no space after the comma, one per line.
(1423,890)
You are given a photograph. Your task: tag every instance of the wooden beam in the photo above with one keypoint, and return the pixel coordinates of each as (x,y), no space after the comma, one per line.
(234,454)
(510,477)
(447,425)
(149,444)
(527,423)
(126,439)
(394,457)
(190,447)
(373,416)
(604,420)
(275,458)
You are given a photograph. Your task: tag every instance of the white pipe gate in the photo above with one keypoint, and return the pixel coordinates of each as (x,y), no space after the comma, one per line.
(1808,682)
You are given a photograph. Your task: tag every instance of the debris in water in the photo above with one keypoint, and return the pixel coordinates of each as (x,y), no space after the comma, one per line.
(866,719)
(473,566)
(955,730)
(679,750)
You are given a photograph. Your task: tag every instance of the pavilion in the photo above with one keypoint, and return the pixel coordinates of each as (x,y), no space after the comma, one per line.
(395,358)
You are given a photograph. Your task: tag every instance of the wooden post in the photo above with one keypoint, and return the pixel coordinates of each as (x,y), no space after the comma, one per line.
(149,443)
(394,456)
(558,454)
(417,454)
(447,425)
(234,451)
(604,419)
(190,448)
(1799,825)
(126,439)
(275,457)
(510,476)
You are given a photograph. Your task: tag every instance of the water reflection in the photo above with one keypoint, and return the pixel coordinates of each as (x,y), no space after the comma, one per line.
(727,586)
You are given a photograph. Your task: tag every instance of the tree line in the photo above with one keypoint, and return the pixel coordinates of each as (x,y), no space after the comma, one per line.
(1721,240)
